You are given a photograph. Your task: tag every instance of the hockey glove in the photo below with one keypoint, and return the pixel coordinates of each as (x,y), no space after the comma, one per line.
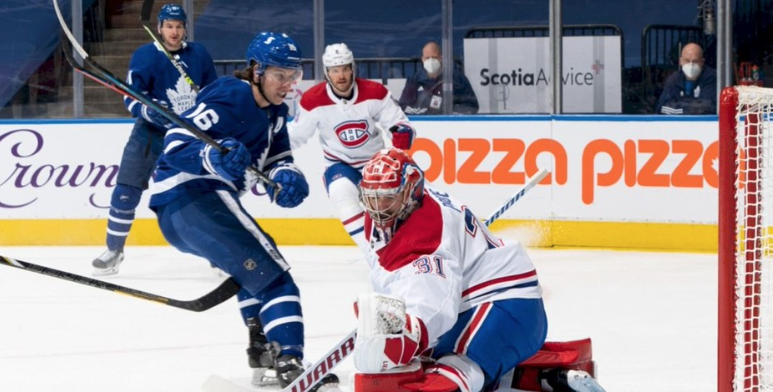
(402,136)
(230,164)
(155,117)
(387,337)
(293,184)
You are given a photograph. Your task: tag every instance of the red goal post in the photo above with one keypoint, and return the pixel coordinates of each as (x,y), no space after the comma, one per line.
(745,317)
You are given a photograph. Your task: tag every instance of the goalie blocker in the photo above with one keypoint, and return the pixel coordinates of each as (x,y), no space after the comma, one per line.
(557,366)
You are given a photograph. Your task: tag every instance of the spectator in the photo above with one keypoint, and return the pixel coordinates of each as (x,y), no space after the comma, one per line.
(693,89)
(423,93)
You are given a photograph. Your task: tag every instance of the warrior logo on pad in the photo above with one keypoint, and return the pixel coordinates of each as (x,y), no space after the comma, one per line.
(353,133)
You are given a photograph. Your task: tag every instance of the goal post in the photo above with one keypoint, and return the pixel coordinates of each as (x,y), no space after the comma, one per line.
(745,253)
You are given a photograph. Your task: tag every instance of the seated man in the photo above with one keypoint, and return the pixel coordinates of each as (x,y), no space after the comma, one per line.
(423,92)
(691,90)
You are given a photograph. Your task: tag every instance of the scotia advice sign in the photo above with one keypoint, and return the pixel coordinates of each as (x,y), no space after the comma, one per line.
(513,75)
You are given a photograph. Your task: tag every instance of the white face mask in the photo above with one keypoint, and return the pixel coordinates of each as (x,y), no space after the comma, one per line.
(691,70)
(432,65)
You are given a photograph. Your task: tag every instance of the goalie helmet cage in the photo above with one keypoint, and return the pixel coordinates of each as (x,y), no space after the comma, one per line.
(745,315)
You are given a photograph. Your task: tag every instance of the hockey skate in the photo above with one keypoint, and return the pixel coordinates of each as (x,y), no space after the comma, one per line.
(107,263)
(289,367)
(283,371)
(260,356)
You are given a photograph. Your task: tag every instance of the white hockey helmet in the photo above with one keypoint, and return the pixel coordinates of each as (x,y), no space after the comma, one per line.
(337,54)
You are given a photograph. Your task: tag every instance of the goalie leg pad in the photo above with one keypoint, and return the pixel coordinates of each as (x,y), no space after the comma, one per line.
(389,381)
(433,382)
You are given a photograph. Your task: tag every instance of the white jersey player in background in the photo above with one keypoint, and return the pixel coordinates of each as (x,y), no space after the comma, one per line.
(444,286)
(346,111)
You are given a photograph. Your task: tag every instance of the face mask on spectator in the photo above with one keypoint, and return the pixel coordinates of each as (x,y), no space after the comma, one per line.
(691,70)
(432,65)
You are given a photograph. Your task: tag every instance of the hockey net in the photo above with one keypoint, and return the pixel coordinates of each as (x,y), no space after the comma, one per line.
(745,325)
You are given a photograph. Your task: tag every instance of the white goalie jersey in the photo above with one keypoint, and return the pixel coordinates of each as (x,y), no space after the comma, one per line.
(347,128)
(443,261)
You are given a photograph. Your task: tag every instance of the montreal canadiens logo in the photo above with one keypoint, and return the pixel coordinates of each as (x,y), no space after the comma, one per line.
(353,133)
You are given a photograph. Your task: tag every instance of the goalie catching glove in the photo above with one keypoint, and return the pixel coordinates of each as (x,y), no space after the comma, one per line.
(294,187)
(402,136)
(230,163)
(387,337)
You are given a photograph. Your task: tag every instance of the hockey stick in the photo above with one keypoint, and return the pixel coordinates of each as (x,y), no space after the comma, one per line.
(147,7)
(305,381)
(226,290)
(530,183)
(105,77)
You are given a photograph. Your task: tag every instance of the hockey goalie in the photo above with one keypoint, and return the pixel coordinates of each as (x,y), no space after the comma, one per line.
(454,307)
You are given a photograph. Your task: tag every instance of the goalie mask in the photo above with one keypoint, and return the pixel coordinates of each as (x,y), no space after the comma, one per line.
(391,188)
(337,55)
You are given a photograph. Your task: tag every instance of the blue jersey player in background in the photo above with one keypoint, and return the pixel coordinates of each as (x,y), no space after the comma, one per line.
(151,73)
(195,194)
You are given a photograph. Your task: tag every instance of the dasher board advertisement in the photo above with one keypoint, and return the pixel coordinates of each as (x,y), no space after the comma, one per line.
(513,75)
(641,170)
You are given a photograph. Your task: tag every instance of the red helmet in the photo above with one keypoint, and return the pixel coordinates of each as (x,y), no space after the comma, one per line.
(392,186)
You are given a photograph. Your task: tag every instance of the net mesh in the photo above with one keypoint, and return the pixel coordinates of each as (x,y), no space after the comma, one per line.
(754,250)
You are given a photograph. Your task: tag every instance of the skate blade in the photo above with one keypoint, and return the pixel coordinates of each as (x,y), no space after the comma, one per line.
(104,272)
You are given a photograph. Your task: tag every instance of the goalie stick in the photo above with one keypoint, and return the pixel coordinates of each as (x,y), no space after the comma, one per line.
(226,290)
(345,347)
(147,7)
(531,183)
(105,77)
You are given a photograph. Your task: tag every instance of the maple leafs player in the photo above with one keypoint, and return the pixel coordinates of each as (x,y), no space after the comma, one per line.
(444,285)
(346,111)
(151,72)
(196,190)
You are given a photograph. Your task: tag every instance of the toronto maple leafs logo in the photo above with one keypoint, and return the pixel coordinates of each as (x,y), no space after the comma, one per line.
(182,97)
(352,134)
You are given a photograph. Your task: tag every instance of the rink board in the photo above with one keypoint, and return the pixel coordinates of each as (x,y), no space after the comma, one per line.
(642,182)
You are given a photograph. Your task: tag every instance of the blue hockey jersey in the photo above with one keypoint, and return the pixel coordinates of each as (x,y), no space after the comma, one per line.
(151,73)
(226,108)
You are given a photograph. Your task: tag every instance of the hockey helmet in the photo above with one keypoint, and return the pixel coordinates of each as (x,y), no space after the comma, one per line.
(336,55)
(272,49)
(172,12)
(391,188)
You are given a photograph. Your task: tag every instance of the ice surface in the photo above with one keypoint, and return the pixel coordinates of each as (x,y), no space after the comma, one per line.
(652,318)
